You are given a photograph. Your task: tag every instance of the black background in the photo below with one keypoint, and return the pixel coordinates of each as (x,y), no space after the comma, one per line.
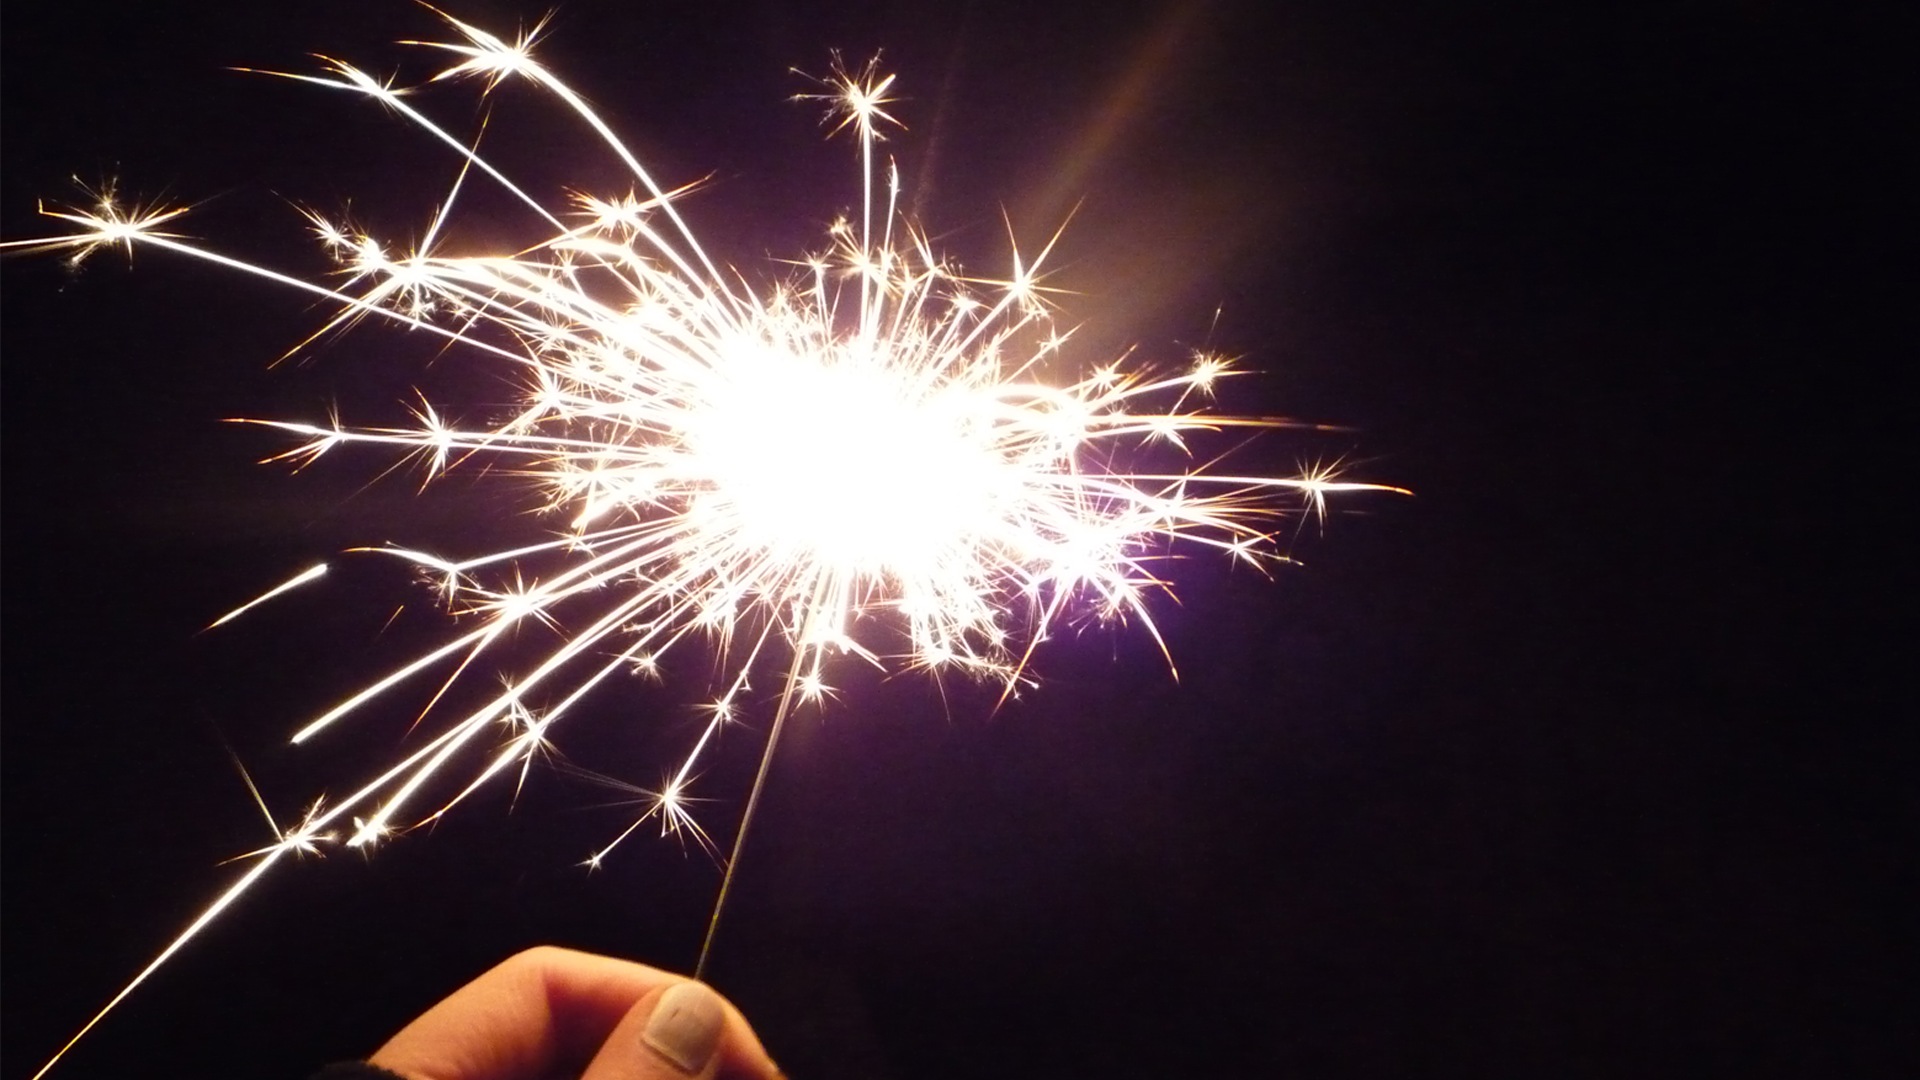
(1581,762)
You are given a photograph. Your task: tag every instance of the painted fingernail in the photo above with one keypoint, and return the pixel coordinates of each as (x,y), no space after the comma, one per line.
(685,1026)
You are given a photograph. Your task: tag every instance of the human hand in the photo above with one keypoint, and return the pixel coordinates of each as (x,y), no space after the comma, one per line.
(551,1012)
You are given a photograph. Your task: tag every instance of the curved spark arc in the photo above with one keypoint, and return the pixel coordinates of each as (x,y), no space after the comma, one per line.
(765,470)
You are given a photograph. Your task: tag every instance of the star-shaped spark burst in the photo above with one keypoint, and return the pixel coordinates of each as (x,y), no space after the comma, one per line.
(873,458)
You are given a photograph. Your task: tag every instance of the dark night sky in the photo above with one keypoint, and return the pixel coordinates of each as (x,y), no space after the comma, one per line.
(1579,763)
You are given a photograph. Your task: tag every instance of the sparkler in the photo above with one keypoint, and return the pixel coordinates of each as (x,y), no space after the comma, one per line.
(871,458)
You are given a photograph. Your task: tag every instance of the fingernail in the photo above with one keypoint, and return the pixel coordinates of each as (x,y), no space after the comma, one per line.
(685,1026)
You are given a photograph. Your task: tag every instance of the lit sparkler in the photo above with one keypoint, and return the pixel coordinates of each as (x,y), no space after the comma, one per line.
(869,458)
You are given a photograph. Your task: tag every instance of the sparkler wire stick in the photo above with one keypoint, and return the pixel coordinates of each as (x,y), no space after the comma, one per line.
(910,482)
(746,820)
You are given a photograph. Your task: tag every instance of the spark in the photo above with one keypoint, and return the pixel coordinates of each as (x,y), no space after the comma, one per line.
(875,458)
(304,576)
(304,838)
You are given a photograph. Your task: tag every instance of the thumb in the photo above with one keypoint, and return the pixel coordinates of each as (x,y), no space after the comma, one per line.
(671,1033)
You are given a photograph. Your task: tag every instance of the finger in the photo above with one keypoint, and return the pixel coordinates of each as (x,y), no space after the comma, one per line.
(542,1010)
(681,1032)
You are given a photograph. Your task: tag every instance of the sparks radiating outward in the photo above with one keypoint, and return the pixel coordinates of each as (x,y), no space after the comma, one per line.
(871,457)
